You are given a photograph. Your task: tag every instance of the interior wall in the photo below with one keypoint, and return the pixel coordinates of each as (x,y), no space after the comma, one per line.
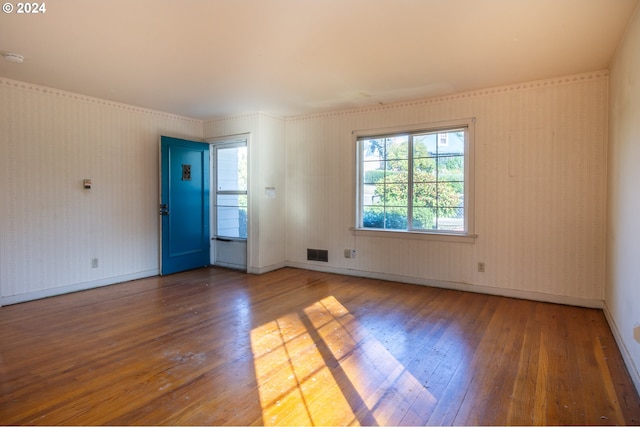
(51,227)
(539,189)
(539,185)
(623,228)
(266,228)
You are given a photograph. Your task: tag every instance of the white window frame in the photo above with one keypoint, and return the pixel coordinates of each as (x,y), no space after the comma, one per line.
(215,146)
(468,234)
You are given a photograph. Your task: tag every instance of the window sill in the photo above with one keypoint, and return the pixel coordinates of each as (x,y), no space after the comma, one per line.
(415,235)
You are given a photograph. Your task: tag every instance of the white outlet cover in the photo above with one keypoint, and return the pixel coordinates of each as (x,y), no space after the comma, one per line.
(270,192)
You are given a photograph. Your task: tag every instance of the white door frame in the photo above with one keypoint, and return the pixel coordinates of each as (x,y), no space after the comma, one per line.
(228,141)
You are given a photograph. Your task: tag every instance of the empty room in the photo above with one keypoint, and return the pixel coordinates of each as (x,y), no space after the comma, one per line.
(286,212)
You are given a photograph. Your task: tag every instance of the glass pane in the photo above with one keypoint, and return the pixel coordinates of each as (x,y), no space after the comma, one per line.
(232,169)
(372,194)
(451,219)
(450,194)
(424,169)
(425,145)
(396,195)
(425,194)
(372,217)
(397,171)
(397,147)
(437,173)
(451,168)
(232,221)
(395,218)
(373,149)
(424,218)
(451,143)
(372,172)
(389,218)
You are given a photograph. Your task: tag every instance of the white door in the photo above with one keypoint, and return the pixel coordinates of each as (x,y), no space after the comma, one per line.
(230,216)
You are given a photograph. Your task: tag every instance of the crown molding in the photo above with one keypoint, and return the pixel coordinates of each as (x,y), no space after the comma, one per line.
(247,115)
(557,81)
(516,87)
(92,100)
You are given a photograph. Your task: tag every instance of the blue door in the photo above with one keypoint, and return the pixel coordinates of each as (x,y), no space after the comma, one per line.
(184,205)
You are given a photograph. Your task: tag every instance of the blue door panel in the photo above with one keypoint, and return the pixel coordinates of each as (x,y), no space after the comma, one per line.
(185,193)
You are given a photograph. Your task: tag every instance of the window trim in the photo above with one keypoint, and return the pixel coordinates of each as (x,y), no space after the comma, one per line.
(222,144)
(467,236)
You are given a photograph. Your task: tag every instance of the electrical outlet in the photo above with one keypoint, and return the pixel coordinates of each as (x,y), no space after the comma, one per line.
(94,262)
(349,253)
(353,253)
(481,267)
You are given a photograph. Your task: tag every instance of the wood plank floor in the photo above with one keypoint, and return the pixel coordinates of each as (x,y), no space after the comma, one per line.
(294,347)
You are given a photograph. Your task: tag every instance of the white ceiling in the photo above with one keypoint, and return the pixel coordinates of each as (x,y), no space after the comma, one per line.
(208,58)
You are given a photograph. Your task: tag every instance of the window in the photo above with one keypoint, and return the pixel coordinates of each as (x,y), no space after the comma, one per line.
(417,180)
(231,190)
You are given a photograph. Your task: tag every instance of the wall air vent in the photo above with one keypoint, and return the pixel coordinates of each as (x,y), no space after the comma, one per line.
(318,255)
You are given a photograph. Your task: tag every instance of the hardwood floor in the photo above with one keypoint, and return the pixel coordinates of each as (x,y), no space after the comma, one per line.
(295,347)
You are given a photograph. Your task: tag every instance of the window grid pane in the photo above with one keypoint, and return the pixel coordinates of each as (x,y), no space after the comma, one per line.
(385,182)
(437,181)
(231,165)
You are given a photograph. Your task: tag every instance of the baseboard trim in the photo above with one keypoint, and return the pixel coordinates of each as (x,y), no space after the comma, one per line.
(458,286)
(510,293)
(268,268)
(51,292)
(633,370)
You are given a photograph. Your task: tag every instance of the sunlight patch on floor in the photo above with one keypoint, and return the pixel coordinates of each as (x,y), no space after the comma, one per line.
(386,387)
(321,367)
(293,378)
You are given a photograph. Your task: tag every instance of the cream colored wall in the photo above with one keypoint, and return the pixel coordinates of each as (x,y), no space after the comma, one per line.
(266,228)
(50,227)
(539,190)
(622,290)
(539,182)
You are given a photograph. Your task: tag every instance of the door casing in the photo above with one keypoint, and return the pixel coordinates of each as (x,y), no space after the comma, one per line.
(229,252)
